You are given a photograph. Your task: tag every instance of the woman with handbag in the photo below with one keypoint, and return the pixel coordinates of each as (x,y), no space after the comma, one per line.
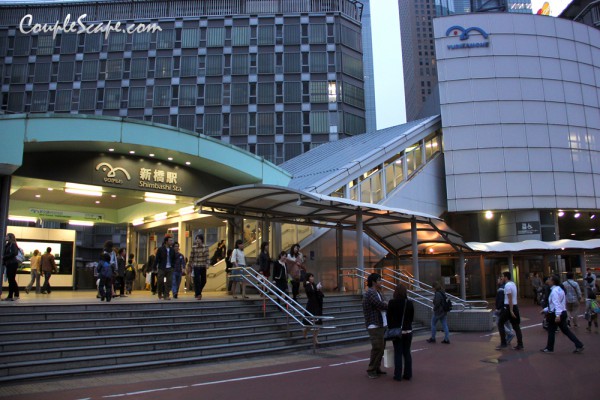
(296,269)
(400,316)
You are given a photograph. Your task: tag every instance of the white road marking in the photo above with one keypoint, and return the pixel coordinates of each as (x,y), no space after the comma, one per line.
(522,328)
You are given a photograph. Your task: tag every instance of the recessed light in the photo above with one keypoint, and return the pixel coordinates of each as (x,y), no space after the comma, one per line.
(592,229)
(561,213)
(577,215)
(572,234)
(113,195)
(131,152)
(151,154)
(111,150)
(97,201)
(38,195)
(50,189)
(188,163)
(170,158)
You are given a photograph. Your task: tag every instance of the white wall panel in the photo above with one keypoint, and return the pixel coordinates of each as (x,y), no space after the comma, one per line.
(491,160)
(494,185)
(514,135)
(488,136)
(540,159)
(542,183)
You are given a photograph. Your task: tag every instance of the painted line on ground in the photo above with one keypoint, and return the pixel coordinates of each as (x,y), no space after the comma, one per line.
(522,328)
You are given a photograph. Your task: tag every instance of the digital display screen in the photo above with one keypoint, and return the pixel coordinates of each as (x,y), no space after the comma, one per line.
(62,251)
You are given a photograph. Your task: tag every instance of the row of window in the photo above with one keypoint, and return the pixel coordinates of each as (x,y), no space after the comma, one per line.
(192,38)
(184,66)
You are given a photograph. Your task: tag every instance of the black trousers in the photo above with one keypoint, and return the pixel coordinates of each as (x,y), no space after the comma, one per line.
(199,280)
(564,328)
(515,322)
(11,276)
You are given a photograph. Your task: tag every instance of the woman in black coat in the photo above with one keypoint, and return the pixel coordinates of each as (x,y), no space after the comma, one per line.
(12,265)
(400,314)
(314,305)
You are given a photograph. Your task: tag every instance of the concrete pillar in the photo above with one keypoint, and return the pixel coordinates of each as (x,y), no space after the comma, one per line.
(276,237)
(339,257)
(482,271)
(461,274)
(360,258)
(511,269)
(415,249)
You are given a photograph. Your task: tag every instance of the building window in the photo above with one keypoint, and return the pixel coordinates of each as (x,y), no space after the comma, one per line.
(189,66)
(353,124)
(239,93)
(266,63)
(319,122)
(45,45)
(92,43)
(318,92)
(87,99)
(22,45)
(187,122)
(68,43)
(266,150)
(266,35)
(212,124)
(190,38)
(18,73)
(265,123)
(291,34)
(239,64)
(292,150)
(16,101)
(116,41)
(137,97)
(353,95)
(292,63)
(139,68)
(240,36)
(65,71)
(318,62)
(63,100)
(317,34)
(292,122)
(141,41)
(112,98)
(212,94)
(292,92)
(42,73)
(89,70)
(39,101)
(165,39)
(162,96)
(164,66)
(239,124)
(214,65)
(352,66)
(187,95)
(350,38)
(215,37)
(266,93)
(114,69)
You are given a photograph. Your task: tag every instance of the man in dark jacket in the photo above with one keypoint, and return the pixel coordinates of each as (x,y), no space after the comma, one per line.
(374,308)
(165,262)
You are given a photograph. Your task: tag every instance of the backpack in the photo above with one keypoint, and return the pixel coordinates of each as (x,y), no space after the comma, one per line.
(129,273)
(104,270)
(20,255)
(446,304)
(595,306)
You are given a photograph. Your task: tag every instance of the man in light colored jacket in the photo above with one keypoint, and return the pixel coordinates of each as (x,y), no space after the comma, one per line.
(573,293)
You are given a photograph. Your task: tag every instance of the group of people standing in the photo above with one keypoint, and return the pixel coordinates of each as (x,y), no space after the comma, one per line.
(115,272)
(41,265)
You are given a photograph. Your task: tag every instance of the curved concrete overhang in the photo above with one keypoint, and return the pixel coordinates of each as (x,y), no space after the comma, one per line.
(76,132)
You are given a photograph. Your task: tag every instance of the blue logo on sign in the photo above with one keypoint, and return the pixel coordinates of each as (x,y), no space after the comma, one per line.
(464,34)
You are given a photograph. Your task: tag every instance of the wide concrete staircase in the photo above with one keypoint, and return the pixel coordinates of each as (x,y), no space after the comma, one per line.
(44,341)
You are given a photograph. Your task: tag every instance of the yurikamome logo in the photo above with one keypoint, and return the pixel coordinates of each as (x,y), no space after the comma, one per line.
(27,26)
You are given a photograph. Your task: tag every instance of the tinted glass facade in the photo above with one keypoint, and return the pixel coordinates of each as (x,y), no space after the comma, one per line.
(272,77)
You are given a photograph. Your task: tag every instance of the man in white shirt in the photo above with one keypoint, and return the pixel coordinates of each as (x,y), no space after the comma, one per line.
(556,313)
(510,312)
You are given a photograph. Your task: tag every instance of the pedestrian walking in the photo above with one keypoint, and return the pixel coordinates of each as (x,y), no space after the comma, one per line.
(574,297)
(35,263)
(499,306)
(440,313)
(198,263)
(48,268)
(374,309)
(556,314)
(510,312)
(178,270)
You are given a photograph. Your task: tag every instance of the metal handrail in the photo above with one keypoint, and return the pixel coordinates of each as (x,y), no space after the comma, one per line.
(291,307)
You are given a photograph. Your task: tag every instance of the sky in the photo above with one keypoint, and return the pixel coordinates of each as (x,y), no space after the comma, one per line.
(387,63)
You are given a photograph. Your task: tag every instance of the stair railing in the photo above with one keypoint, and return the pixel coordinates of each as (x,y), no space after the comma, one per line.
(283,301)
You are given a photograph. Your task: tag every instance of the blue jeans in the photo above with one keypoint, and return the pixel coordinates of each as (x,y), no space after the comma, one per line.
(434,320)
(176,282)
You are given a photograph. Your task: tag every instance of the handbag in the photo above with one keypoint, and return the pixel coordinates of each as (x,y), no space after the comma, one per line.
(396,333)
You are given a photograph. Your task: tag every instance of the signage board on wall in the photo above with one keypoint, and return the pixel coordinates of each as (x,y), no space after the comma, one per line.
(552,8)
(528,228)
(61,214)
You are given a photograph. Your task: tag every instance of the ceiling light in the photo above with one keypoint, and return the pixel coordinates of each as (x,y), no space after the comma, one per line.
(151,154)
(50,189)
(80,223)
(173,229)
(577,215)
(593,216)
(111,150)
(593,229)
(137,222)
(97,201)
(489,215)
(561,213)
(21,218)
(85,190)
(38,195)
(160,198)
(186,210)
(431,249)
(170,158)
(113,195)
(160,217)
(131,152)
(572,234)
(188,163)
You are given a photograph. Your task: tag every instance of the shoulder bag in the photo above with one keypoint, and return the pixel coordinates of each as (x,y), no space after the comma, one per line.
(396,333)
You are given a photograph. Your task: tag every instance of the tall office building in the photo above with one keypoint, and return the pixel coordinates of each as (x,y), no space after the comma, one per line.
(369,77)
(418,50)
(272,77)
